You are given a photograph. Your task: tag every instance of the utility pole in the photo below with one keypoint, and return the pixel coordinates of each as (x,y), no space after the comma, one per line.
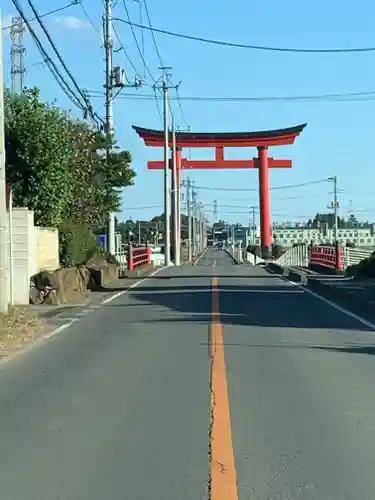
(167,230)
(175,199)
(165,86)
(114,79)
(4,263)
(17,53)
(202,228)
(252,211)
(189,215)
(108,46)
(335,206)
(199,227)
(194,218)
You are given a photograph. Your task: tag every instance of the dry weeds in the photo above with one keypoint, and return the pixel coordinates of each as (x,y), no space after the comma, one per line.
(20,328)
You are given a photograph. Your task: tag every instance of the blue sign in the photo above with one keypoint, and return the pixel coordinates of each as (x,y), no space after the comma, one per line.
(102,240)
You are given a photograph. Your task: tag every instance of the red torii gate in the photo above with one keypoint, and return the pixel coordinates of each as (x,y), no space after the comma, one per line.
(261,140)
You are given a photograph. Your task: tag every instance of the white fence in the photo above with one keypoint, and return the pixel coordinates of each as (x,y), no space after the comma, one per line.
(253,259)
(236,253)
(296,256)
(353,256)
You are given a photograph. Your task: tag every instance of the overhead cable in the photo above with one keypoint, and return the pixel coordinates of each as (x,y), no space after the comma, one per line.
(181,108)
(50,12)
(89,107)
(343,97)
(93,25)
(290,186)
(122,48)
(135,39)
(251,47)
(153,34)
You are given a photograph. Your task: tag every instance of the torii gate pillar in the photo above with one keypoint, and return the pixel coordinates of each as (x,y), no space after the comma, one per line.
(264,202)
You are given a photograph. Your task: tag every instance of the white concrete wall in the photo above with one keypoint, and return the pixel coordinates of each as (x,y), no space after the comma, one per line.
(23,254)
(47,248)
(33,249)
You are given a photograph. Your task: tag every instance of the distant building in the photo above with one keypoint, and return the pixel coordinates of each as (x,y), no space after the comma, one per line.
(287,236)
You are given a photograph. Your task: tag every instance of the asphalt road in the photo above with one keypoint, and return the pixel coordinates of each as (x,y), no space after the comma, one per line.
(119,405)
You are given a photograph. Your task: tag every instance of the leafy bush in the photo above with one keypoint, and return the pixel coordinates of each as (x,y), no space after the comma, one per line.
(277,251)
(364,269)
(255,250)
(77,245)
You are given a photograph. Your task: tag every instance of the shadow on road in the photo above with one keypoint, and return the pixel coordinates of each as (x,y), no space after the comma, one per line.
(348,349)
(242,302)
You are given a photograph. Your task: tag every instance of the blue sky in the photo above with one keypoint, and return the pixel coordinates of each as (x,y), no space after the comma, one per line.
(339,136)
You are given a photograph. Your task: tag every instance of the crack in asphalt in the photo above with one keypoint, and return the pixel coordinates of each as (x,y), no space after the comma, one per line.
(212,351)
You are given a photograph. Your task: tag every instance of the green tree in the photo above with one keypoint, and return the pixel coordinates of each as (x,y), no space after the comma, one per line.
(38,154)
(57,166)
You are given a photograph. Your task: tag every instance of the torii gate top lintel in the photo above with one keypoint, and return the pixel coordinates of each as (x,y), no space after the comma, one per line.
(263,138)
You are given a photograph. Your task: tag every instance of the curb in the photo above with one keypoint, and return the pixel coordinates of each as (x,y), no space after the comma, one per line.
(233,258)
(195,261)
(290,274)
(348,297)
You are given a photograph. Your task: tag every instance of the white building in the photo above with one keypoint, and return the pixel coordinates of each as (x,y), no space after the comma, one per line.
(288,236)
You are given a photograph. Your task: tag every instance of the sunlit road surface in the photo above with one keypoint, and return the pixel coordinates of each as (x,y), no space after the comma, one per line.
(215,381)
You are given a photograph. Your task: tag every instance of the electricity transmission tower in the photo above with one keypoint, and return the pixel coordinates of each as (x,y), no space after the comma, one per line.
(215,211)
(17,54)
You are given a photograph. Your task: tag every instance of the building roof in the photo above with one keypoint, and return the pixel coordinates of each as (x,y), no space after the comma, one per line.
(227,139)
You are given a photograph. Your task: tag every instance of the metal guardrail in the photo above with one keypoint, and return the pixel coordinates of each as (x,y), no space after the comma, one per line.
(236,253)
(354,256)
(298,256)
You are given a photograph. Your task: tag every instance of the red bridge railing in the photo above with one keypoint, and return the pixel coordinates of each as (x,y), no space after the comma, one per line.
(138,256)
(330,257)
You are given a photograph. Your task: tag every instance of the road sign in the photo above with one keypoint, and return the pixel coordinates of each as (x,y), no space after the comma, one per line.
(102,240)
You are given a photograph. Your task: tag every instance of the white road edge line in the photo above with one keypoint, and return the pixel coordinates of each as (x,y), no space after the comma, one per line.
(199,258)
(118,294)
(334,305)
(41,340)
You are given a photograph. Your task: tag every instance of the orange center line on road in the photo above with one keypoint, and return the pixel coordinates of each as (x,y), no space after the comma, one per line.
(223,477)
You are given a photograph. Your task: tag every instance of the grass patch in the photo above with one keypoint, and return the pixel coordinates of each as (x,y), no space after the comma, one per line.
(19,328)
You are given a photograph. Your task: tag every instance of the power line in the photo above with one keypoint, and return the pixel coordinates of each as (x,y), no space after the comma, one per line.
(142,207)
(59,9)
(158,105)
(125,52)
(89,108)
(93,25)
(290,186)
(248,46)
(347,96)
(135,39)
(181,109)
(153,34)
